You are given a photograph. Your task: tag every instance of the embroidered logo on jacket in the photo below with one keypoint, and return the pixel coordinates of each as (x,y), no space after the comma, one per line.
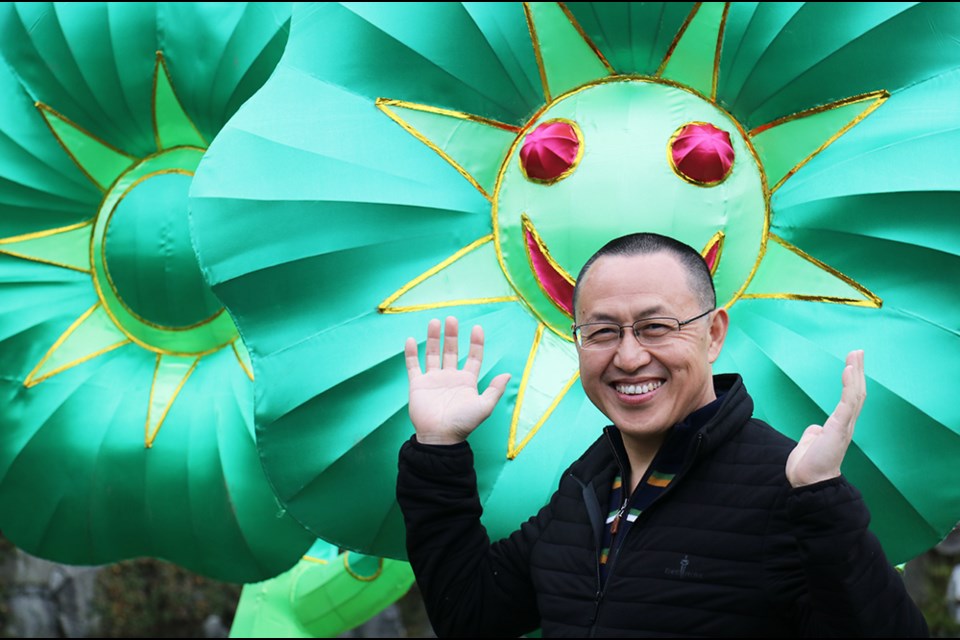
(684,571)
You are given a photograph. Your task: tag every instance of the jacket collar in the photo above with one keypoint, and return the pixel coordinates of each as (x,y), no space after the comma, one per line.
(732,409)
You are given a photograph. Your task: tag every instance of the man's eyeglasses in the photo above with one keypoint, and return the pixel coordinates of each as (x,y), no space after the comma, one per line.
(649,332)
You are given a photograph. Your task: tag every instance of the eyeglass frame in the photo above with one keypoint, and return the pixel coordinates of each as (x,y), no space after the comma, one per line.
(680,325)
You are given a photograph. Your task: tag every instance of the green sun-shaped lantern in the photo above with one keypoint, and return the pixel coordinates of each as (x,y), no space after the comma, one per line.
(136,249)
(467,158)
(127,393)
(610,154)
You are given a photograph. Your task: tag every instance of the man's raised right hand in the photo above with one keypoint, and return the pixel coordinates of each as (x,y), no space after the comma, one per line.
(445,402)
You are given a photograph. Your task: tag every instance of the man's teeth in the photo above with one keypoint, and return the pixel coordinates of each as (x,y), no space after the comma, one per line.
(636,389)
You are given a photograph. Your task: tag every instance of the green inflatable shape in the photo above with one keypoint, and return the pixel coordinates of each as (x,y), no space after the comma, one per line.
(126,393)
(375,182)
(327,593)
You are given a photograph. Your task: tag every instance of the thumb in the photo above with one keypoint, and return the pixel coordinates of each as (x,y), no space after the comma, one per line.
(494,391)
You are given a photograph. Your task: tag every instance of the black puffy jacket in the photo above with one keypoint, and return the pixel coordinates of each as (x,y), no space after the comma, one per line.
(729,549)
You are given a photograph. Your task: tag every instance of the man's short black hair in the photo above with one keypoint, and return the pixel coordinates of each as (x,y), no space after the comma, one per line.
(644,243)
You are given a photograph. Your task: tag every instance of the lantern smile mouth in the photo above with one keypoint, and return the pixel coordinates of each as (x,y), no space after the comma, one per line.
(555,282)
(712,251)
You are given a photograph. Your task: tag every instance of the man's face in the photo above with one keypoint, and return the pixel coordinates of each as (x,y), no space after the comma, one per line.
(646,390)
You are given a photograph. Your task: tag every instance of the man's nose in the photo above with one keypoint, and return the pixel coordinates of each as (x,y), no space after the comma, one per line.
(630,353)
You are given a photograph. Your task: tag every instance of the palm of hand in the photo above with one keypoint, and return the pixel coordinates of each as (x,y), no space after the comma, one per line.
(820,451)
(446,402)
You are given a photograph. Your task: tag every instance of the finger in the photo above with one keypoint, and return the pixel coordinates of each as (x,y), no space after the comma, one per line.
(450,346)
(852,395)
(475,354)
(432,350)
(854,384)
(410,351)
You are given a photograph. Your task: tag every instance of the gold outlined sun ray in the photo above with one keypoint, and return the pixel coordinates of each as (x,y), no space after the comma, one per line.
(569,62)
(112,322)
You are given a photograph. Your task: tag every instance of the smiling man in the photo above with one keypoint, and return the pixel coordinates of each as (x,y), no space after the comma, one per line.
(687,516)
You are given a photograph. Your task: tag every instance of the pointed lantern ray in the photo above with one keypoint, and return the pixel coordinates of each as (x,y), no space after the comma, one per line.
(171,125)
(566,57)
(474,146)
(99,161)
(787,272)
(693,58)
(91,335)
(552,368)
(169,376)
(782,148)
(470,276)
(785,145)
(67,247)
(243,357)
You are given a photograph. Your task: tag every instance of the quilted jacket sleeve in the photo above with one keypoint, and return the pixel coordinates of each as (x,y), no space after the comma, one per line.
(470,587)
(852,589)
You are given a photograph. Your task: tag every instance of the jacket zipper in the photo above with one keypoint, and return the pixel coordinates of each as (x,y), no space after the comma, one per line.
(600,583)
(618,543)
(615,525)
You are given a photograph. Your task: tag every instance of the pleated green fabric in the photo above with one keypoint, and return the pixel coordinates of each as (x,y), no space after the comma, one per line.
(126,393)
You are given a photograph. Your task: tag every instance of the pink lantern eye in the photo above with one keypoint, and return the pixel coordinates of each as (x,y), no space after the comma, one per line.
(551,151)
(701,153)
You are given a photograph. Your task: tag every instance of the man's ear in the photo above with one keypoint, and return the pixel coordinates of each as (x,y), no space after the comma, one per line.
(719,323)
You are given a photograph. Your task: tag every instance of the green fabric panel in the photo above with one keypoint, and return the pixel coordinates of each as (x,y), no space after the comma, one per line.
(50,57)
(185,476)
(902,147)
(263,611)
(41,187)
(893,439)
(878,219)
(366,276)
(244,355)
(250,56)
(750,30)
(929,246)
(148,205)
